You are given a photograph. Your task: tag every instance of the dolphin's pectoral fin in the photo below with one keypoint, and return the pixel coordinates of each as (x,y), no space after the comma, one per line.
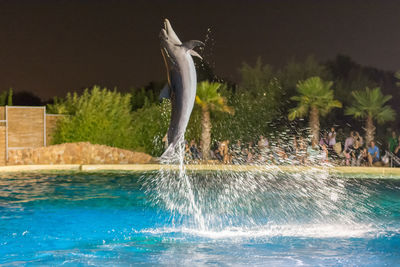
(195,54)
(189,45)
(165,92)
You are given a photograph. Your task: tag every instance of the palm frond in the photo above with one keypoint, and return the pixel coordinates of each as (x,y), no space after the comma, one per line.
(314,92)
(355,112)
(298,112)
(208,95)
(371,102)
(385,114)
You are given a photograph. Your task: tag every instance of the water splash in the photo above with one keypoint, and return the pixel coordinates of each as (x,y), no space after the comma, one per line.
(173,189)
(260,200)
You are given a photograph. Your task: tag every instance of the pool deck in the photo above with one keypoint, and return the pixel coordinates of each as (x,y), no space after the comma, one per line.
(366,172)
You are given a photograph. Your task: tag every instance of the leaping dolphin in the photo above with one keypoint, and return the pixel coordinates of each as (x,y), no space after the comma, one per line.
(182,82)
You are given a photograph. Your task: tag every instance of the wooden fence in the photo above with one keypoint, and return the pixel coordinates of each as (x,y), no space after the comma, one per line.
(24,127)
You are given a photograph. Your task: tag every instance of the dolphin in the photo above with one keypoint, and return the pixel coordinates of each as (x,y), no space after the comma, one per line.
(182,82)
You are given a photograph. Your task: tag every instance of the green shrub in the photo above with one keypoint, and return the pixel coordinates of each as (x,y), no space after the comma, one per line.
(99,116)
(149,126)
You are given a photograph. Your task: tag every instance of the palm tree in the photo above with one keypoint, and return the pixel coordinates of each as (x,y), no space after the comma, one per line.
(316,98)
(209,99)
(370,105)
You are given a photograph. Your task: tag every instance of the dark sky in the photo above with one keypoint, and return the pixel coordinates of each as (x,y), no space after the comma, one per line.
(51,47)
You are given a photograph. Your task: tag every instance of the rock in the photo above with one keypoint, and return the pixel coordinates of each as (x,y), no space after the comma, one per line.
(77,153)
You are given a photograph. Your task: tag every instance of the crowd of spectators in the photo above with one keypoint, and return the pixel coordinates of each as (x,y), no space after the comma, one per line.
(297,150)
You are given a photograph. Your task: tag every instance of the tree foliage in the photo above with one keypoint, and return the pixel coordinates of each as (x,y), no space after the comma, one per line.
(261,101)
(296,71)
(254,112)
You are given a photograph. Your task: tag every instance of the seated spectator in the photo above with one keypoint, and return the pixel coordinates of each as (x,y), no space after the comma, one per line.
(332,137)
(280,153)
(393,142)
(262,148)
(194,151)
(188,154)
(334,148)
(213,150)
(357,137)
(165,141)
(373,153)
(364,157)
(397,150)
(325,153)
(324,140)
(292,149)
(348,149)
(218,155)
(340,136)
(385,159)
(248,155)
(262,142)
(313,151)
(217,152)
(349,141)
(302,150)
(356,154)
(224,150)
(347,156)
(252,149)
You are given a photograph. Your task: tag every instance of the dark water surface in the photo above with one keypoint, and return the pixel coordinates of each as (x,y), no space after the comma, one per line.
(108,219)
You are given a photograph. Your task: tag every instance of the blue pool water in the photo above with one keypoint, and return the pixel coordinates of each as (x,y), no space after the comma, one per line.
(111,219)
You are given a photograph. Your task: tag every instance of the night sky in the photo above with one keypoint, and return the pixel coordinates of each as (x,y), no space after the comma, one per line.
(52,47)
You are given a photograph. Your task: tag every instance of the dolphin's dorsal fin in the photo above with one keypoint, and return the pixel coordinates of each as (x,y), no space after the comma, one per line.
(189,45)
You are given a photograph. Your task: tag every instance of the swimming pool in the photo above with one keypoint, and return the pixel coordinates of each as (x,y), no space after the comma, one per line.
(109,219)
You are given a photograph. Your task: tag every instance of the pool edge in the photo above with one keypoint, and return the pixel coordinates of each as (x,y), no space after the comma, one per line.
(376,172)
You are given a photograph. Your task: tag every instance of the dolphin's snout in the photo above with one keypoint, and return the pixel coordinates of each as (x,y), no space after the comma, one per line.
(167,25)
(170,33)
